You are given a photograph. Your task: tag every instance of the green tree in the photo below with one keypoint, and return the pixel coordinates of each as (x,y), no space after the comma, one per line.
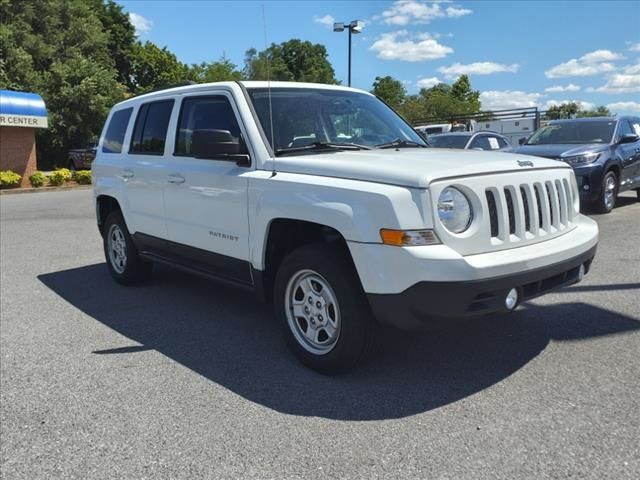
(564,110)
(154,67)
(60,49)
(600,111)
(390,90)
(220,71)
(294,60)
(122,38)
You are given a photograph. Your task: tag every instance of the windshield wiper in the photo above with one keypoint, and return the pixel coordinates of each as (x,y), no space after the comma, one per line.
(322,146)
(399,143)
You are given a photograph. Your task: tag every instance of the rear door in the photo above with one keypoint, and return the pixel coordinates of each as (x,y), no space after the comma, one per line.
(145,172)
(206,199)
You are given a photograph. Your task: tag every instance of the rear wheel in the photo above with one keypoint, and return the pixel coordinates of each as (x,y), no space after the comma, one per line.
(608,193)
(323,311)
(123,261)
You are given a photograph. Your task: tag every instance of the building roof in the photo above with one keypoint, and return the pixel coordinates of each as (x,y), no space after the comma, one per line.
(21,103)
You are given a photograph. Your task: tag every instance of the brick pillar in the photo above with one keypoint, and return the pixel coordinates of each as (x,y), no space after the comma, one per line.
(18,151)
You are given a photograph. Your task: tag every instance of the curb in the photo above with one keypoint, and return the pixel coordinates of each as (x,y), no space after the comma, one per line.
(17,191)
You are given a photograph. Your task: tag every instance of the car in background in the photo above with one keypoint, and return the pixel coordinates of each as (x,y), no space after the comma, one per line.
(603,151)
(469,141)
(81,158)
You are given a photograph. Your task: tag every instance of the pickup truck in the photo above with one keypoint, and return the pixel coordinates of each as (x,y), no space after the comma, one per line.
(324,202)
(81,158)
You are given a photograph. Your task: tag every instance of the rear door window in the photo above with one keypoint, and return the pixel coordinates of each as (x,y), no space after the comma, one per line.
(114,137)
(150,132)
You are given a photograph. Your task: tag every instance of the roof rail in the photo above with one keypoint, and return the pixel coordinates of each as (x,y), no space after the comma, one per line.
(167,87)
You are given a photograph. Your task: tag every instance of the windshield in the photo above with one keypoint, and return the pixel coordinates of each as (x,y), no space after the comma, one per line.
(303,116)
(448,141)
(574,132)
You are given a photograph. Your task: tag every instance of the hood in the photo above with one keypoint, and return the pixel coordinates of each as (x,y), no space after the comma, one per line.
(560,150)
(409,167)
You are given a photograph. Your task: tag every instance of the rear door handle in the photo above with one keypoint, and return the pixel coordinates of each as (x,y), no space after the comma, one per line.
(175,178)
(126,173)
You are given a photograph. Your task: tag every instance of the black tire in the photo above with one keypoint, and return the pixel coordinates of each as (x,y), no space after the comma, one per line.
(604,203)
(356,324)
(132,270)
(638,193)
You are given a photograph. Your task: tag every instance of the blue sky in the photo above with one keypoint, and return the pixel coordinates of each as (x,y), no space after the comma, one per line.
(518,54)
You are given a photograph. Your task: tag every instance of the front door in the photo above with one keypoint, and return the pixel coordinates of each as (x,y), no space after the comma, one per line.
(206,200)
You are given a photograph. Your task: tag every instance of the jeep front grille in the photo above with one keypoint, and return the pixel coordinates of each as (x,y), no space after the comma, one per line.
(529,209)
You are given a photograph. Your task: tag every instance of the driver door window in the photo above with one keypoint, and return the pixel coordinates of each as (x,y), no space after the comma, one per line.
(481,143)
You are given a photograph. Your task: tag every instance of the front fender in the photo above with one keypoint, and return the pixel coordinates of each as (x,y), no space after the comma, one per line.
(356,209)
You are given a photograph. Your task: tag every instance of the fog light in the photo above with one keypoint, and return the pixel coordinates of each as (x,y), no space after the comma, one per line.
(585,187)
(512,299)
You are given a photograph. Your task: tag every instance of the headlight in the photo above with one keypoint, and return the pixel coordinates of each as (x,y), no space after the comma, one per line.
(581,159)
(454,210)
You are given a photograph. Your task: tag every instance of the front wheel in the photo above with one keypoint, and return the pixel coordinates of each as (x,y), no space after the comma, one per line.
(323,311)
(124,264)
(608,193)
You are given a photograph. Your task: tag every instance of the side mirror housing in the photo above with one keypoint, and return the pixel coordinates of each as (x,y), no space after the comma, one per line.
(218,145)
(522,141)
(629,138)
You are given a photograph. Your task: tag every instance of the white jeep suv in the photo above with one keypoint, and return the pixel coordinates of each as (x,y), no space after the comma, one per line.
(324,201)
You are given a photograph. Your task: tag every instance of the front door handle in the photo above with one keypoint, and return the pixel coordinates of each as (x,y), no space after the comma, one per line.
(175,178)
(126,173)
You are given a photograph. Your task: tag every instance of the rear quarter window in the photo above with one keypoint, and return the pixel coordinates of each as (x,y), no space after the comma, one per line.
(114,138)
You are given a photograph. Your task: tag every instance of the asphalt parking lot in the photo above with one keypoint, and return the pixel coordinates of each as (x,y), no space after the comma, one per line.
(184,378)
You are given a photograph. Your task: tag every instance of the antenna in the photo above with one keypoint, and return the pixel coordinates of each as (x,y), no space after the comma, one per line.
(266,56)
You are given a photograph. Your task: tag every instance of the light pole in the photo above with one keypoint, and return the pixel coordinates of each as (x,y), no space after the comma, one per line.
(354,27)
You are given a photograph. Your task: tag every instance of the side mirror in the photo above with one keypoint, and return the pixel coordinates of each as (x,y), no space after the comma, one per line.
(218,145)
(522,141)
(629,138)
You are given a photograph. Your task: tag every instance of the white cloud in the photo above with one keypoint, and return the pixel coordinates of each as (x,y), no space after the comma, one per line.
(634,48)
(401,46)
(555,103)
(140,23)
(404,12)
(327,20)
(621,82)
(499,100)
(477,68)
(624,107)
(563,88)
(593,63)
(428,82)
(632,69)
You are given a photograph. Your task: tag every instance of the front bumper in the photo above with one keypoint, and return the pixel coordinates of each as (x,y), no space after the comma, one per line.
(428,302)
(589,179)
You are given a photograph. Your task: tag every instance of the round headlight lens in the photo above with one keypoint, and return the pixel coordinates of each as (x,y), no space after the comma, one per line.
(454,210)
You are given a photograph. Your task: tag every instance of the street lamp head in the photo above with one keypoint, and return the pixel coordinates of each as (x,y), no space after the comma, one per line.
(338,27)
(356,26)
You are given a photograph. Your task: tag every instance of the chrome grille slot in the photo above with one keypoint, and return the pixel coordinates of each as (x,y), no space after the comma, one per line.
(527,211)
(493,212)
(512,217)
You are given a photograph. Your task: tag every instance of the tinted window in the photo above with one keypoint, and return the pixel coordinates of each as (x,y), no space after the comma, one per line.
(624,129)
(598,131)
(448,141)
(150,131)
(204,113)
(114,137)
(481,142)
(502,142)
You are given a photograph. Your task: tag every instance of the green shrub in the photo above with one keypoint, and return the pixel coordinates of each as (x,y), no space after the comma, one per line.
(83,177)
(60,176)
(9,179)
(37,179)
